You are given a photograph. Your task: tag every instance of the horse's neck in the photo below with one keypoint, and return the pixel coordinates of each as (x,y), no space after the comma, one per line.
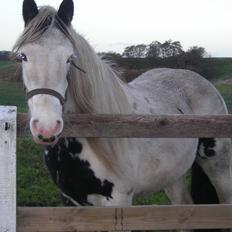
(109,93)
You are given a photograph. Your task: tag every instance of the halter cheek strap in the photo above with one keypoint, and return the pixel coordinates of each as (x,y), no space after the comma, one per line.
(51,92)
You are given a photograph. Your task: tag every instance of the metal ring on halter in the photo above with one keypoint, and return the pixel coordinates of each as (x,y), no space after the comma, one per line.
(45,91)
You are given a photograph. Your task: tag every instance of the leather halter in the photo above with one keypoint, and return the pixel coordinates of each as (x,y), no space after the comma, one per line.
(45,91)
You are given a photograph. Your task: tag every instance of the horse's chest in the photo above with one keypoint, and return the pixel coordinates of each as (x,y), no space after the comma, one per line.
(74,175)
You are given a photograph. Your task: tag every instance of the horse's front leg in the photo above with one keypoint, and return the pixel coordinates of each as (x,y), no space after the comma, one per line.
(178,193)
(118,199)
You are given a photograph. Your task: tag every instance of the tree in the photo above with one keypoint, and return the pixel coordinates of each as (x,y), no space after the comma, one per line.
(196,52)
(135,51)
(170,49)
(110,55)
(140,51)
(154,49)
(164,50)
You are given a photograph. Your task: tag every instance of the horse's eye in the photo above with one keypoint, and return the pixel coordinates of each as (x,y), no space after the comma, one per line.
(21,57)
(69,60)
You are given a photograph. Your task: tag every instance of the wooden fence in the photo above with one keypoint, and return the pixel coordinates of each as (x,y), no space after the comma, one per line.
(60,219)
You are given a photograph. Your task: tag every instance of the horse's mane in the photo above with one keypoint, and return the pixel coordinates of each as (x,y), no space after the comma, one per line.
(99,90)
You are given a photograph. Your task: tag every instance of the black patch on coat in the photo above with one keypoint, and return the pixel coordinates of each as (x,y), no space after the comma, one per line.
(73,175)
(66,201)
(180,110)
(208,144)
(202,190)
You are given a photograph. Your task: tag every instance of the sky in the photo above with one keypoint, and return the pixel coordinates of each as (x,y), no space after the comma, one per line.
(111,25)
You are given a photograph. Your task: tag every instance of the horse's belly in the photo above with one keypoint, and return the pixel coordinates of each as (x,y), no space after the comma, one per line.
(163,161)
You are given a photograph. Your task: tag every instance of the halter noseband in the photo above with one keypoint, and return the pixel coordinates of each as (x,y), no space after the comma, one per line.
(45,91)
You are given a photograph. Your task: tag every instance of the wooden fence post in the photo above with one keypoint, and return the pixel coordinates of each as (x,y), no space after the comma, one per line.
(8,168)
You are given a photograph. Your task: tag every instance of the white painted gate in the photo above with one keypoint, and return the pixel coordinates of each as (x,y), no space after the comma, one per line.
(8,169)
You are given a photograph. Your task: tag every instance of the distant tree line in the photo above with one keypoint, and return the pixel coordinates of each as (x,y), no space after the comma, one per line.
(169,54)
(155,49)
(5,55)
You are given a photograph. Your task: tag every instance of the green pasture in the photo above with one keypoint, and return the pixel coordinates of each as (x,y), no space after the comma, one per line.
(12,93)
(226,92)
(34,186)
(221,68)
(5,64)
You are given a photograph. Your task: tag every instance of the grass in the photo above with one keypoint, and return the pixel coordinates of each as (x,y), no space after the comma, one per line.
(12,93)
(215,69)
(34,185)
(10,70)
(158,198)
(222,68)
(226,92)
(5,64)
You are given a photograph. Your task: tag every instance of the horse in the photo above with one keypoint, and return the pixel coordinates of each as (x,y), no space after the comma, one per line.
(62,74)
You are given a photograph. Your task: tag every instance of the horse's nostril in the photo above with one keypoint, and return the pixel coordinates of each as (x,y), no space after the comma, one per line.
(52,139)
(35,121)
(58,122)
(47,140)
(40,137)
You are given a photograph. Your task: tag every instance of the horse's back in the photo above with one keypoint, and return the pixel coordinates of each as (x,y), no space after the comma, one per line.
(170,91)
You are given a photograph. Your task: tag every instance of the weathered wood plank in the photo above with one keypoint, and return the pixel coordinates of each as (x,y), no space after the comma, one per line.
(131,218)
(138,126)
(7,169)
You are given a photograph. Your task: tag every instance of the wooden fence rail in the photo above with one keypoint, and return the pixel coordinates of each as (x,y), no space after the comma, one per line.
(141,126)
(102,219)
(126,218)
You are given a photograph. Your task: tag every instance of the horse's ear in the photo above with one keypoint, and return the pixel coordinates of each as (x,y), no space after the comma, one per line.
(30,10)
(65,12)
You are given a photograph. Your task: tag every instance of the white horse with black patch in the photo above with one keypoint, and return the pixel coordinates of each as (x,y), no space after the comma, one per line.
(62,74)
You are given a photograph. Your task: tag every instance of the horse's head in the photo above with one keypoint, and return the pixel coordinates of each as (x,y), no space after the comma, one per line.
(46,58)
